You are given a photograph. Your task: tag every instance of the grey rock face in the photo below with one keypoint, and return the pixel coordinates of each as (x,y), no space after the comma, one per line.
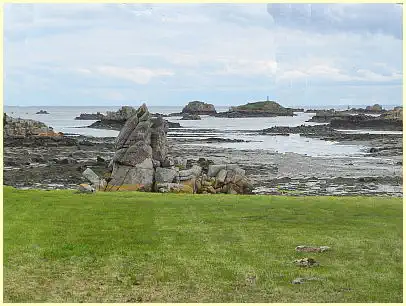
(91,176)
(221,176)
(141,141)
(122,114)
(141,174)
(136,154)
(165,175)
(168,162)
(214,169)
(191,173)
(159,142)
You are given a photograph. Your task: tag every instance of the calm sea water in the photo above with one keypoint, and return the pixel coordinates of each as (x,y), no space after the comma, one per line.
(61,118)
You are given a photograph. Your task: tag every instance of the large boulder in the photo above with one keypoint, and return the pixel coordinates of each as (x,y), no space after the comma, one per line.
(188,174)
(165,175)
(139,177)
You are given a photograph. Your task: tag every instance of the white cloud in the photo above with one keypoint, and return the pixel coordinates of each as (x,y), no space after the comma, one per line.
(137,75)
(248,68)
(188,47)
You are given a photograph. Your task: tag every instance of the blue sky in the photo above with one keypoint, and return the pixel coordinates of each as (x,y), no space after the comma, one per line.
(225,54)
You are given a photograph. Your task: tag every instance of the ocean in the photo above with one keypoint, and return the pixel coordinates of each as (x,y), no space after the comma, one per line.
(61,118)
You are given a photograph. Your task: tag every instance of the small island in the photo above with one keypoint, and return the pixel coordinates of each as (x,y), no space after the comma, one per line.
(257,109)
(42,112)
(85,116)
(196,108)
(199,108)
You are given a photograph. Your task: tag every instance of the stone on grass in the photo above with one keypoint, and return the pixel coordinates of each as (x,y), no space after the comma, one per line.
(301,280)
(86,188)
(306,262)
(305,248)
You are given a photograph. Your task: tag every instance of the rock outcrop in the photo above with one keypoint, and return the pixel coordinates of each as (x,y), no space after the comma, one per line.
(142,162)
(325,116)
(396,113)
(367,122)
(85,116)
(199,108)
(374,108)
(25,127)
(116,120)
(132,164)
(257,109)
(42,112)
(123,114)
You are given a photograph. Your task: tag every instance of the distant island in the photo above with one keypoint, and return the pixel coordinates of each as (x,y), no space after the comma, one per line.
(257,109)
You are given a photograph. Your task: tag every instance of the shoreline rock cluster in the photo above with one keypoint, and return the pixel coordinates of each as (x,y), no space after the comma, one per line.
(389,121)
(325,132)
(85,116)
(26,127)
(142,162)
(116,120)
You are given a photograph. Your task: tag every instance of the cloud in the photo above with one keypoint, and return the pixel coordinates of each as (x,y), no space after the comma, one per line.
(323,72)
(178,52)
(328,18)
(138,75)
(247,68)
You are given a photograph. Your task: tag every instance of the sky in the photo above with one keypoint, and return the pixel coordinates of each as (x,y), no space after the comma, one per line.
(224,54)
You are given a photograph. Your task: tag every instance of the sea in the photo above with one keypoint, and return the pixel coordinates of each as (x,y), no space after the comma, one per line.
(62,119)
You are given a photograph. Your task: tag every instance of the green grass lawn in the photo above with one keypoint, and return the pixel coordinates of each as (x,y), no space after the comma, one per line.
(141,247)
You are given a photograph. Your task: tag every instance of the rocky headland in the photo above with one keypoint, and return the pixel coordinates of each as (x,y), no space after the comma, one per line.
(25,127)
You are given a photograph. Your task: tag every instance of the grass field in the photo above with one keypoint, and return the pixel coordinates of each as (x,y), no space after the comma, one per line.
(138,247)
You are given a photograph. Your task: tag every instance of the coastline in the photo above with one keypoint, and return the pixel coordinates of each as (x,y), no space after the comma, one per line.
(59,166)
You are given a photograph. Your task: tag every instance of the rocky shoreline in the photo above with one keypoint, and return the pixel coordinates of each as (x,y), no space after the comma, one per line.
(52,163)
(36,157)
